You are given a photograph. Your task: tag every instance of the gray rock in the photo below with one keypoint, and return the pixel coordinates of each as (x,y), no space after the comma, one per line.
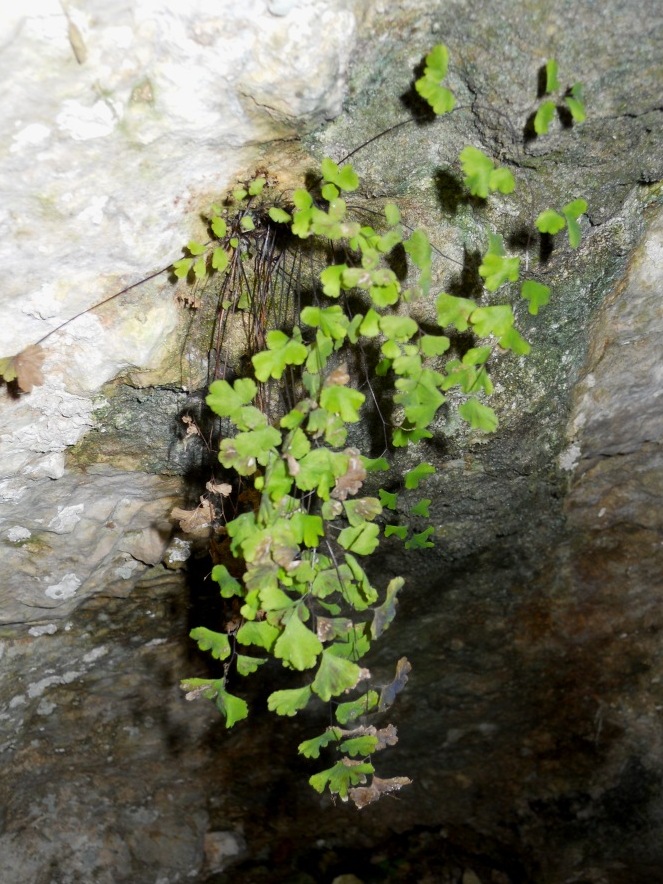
(87,533)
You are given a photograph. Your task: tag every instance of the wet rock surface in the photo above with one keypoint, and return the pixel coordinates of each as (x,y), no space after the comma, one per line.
(94,735)
(531,722)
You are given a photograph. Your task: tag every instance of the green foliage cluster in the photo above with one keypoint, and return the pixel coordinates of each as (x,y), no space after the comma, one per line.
(570,101)
(305,597)
(201,260)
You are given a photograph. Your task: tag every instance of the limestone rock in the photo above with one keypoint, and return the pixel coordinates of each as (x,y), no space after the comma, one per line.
(122,123)
(222,849)
(87,533)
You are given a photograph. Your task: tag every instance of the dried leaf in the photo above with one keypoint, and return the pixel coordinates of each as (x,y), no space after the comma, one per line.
(24,368)
(222,488)
(196,521)
(364,795)
(191,426)
(389,692)
(386,736)
(385,613)
(338,377)
(352,480)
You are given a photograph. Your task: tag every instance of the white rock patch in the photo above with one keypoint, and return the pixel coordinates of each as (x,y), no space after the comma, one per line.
(17,533)
(65,589)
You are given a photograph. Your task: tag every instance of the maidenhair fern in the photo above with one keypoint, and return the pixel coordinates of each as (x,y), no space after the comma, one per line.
(305,536)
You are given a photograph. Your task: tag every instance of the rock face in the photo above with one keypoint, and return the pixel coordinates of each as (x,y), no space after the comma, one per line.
(604,605)
(124,122)
(531,723)
(541,679)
